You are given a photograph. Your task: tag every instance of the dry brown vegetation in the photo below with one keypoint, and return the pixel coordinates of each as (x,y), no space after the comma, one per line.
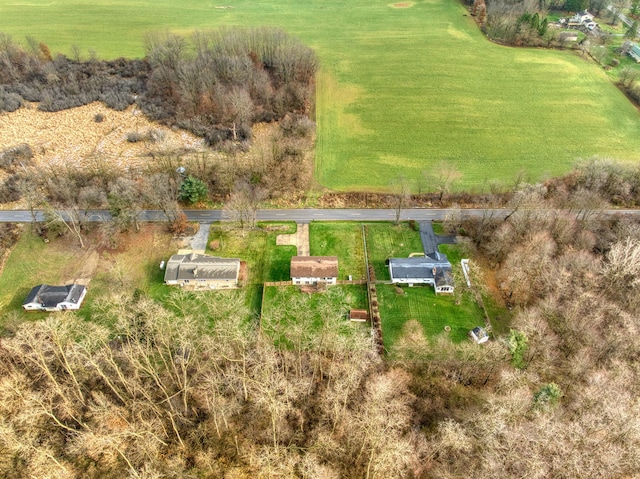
(195,388)
(73,138)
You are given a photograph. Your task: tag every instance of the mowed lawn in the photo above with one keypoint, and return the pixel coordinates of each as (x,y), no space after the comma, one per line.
(341,239)
(401,90)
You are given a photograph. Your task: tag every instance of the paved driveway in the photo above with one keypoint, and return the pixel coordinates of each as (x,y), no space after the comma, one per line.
(199,240)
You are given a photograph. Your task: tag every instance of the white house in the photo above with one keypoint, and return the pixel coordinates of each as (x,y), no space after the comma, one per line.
(433,269)
(311,270)
(55,298)
(581,18)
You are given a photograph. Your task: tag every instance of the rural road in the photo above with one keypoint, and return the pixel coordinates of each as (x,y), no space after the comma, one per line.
(298,215)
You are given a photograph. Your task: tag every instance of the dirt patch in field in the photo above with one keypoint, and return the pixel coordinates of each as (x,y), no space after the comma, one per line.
(74,137)
(402,5)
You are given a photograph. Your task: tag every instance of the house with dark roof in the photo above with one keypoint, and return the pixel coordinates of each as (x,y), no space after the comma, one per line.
(311,270)
(434,271)
(55,298)
(433,268)
(202,271)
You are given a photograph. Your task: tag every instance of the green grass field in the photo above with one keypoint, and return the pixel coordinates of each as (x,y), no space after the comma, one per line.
(288,312)
(386,240)
(432,311)
(265,261)
(400,90)
(343,240)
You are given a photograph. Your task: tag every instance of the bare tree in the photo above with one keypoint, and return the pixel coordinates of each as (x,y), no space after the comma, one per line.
(401,195)
(243,205)
(442,178)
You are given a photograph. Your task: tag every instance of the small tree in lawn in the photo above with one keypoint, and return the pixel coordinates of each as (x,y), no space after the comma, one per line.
(192,190)
(632,31)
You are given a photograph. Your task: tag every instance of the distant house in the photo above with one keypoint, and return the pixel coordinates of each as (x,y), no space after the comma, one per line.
(634,52)
(433,268)
(581,18)
(311,270)
(202,271)
(55,298)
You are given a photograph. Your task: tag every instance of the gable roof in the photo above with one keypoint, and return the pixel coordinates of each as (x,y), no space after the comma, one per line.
(201,266)
(424,267)
(51,296)
(314,267)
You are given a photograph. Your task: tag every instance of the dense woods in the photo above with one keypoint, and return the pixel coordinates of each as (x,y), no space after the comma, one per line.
(217,86)
(204,389)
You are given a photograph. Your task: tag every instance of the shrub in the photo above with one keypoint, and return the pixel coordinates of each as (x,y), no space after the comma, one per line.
(517,344)
(192,190)
(548,395)
(9,101)
(99,118)
(9,190)
(155,135)
(134,137)
(18,154)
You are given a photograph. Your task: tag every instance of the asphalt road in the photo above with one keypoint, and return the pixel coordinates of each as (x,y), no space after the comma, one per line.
(299,215)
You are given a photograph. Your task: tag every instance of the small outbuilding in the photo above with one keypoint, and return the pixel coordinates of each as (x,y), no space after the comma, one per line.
(359,315)
(479,335)
(55,298)
(202,271)
(312,270)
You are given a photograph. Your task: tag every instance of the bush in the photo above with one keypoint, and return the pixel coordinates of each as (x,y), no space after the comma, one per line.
(548,395)
(134,137)
(155,135)
(9,101)
(192,190)
(517,344)
(21,154)
(99,118)
(9,191)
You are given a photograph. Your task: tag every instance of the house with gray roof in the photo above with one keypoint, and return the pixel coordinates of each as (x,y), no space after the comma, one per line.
(202,271)
(55,298)
(433,268)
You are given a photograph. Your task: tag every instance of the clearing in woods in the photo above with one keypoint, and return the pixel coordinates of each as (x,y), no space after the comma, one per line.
(401,90)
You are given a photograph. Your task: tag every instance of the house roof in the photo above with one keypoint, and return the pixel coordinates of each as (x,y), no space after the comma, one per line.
(50,296)
(424,267)
(359,314)
(201,266)
(314,267)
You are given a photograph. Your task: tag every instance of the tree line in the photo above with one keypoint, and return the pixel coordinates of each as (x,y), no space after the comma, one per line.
(217,85)
(202,388)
